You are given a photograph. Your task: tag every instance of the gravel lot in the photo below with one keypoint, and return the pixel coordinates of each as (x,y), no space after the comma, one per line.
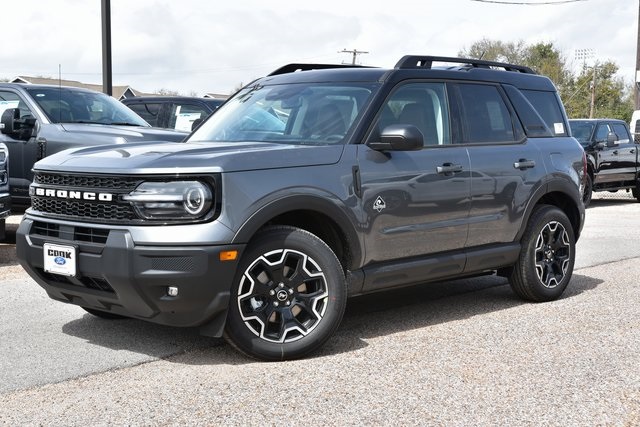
(466,352)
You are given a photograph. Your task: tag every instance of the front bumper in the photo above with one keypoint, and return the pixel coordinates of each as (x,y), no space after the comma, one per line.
(116,275)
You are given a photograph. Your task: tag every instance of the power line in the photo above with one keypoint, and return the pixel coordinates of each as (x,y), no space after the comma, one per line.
(528,3)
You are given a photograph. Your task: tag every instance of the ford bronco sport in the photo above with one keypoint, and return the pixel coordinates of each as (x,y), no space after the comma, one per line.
(312,184)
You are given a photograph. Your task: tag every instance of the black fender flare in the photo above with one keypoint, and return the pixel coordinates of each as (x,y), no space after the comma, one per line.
(555,185)
(327,206)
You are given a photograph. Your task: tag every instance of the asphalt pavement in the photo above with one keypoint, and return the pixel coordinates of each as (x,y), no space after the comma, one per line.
(465,352)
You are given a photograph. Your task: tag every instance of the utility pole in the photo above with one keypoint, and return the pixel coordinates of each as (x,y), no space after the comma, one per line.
(584,54)
(107,80)
(354,52)
(593,91)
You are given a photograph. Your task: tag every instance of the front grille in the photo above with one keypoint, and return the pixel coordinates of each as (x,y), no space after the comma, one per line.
(90,210)
(86,181)
(45,229)
(96,283)
(110,211)
(91,235)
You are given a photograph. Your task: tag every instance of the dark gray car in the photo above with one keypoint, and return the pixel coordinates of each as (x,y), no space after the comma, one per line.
(312,184)
(39,120)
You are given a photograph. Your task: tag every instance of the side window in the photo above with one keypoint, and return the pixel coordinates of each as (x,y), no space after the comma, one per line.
(547,105)
(601,132)
(484,114)
(149,112)
(182,116)
(13,100)
(621,131)
(423,105)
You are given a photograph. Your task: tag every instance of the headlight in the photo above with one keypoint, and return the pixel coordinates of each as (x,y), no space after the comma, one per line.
(171,200)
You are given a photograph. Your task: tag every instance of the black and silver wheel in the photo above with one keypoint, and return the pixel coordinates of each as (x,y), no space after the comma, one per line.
(588,191)
(288,298)
(546,260)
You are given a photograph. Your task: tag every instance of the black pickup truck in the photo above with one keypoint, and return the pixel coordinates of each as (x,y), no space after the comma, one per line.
(612,156)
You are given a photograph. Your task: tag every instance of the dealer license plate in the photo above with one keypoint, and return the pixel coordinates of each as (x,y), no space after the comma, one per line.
(59,259)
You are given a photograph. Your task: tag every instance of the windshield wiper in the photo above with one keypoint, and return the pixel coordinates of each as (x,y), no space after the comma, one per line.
(124,124)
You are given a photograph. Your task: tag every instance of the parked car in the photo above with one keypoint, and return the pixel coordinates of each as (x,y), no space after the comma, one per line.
(39,120)
(5,197)
(612,156)
(279,206)
(173,112)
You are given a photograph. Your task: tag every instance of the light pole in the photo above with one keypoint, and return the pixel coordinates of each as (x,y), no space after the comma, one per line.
(584,55)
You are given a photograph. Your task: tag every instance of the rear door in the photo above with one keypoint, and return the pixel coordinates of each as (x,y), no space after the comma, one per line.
(506,166)
(625,151)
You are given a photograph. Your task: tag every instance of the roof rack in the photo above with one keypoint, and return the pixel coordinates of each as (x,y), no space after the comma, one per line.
(415,61)
(291,68)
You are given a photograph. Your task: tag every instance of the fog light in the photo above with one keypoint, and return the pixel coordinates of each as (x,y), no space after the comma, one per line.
(172,291)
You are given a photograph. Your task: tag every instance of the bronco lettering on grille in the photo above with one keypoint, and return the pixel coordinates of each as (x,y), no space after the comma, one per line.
(73,194)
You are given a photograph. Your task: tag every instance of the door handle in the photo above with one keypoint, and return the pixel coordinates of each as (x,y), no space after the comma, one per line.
(523,164)
(448,168)
(615,152)
(632,151)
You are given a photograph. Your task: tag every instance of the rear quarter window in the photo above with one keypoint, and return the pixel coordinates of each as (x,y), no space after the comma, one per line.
(548,106)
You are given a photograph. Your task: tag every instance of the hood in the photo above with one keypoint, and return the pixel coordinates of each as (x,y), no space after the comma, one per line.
(200,157)
(126,133)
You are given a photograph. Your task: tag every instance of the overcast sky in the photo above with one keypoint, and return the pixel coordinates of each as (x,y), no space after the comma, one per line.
(212,46)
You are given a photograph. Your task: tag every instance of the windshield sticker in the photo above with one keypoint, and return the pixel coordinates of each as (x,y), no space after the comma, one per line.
(558,128)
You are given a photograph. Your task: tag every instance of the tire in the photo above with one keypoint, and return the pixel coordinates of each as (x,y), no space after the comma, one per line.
(636,192)
(546,260)
(103,314)
(588,191)
(288,298)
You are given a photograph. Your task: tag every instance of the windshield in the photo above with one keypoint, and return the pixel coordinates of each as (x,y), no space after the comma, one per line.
(301,113)
(582,131)
(66,105)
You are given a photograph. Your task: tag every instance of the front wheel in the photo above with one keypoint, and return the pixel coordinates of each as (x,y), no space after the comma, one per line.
(289,296)
(546,260)
(636,192)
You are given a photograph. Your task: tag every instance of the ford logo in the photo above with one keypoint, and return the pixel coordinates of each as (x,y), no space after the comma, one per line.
(60,260)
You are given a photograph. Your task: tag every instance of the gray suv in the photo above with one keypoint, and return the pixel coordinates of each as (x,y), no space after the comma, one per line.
(310,185)
(39,120)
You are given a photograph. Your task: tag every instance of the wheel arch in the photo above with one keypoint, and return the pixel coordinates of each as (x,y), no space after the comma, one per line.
(318,215)
(561,194)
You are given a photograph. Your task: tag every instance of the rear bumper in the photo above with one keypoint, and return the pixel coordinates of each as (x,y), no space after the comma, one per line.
(118,276)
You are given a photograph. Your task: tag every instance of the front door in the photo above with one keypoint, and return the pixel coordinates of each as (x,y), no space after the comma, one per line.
(416,203)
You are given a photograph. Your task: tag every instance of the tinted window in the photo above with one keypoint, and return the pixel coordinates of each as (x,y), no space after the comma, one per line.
(423,105)
(149,112)
(485,116)
(547,105)
(582,130)
(601,132)
(621,131)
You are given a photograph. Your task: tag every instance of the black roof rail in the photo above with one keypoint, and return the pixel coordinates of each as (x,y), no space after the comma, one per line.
(291,68)
(416,61)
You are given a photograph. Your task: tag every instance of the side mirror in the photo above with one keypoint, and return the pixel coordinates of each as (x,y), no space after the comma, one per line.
(12,124)
(398,138)
(612,139)
(8,121)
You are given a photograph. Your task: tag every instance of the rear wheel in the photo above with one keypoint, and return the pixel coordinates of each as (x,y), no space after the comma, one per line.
(546,260)
(289,297)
